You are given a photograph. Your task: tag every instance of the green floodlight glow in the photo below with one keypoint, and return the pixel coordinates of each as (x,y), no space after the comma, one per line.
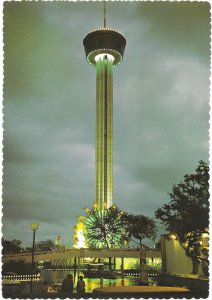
(103,230)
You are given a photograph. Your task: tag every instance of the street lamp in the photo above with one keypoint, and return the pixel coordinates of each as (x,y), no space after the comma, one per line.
(34,227)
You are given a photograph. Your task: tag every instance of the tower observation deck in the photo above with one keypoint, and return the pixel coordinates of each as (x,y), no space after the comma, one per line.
(104,48)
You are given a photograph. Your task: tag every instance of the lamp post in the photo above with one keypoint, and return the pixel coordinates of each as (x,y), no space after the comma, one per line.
(34,227)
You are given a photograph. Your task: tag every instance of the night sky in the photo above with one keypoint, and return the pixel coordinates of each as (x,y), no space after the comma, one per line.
(161,104)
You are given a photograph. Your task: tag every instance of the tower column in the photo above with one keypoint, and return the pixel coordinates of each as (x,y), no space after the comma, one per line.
(104,49)
(104,130)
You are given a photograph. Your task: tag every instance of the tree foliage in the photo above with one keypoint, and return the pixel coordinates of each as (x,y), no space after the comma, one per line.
(104,228)
(114,228)
(187,214)
(139,227)
(13,246)
(46,245)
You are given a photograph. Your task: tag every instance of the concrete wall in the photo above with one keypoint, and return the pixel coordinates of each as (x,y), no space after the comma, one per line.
(174,258)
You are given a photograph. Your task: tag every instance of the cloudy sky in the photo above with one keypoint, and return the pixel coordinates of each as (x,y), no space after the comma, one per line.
(161,104)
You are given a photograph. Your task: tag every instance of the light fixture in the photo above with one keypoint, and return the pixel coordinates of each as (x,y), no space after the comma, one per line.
(173,237)
(34,226)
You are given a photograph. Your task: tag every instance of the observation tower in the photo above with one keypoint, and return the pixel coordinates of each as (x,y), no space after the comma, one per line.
(104,49)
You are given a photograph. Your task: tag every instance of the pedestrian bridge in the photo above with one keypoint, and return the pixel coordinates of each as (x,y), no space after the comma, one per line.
(83,253)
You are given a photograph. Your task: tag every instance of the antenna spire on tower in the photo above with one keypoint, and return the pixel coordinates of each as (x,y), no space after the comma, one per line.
(104,14)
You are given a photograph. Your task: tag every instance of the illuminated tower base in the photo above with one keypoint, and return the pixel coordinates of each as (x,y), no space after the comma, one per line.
(104,49)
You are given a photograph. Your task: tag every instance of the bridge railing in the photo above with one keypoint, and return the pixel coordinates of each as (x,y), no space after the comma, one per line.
(26,277)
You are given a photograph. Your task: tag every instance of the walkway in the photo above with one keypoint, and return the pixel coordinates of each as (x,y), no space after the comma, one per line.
(82,253)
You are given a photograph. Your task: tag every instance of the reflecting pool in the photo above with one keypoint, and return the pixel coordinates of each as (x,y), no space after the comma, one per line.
(92,283)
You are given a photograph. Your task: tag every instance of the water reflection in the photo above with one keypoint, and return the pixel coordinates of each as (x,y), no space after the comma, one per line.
(92,283)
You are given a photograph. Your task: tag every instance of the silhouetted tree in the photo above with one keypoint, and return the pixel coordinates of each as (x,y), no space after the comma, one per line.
(139,227)
(46,245)
(187,214)
(13,246)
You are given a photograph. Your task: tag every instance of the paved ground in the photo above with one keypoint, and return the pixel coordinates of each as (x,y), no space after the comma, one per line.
(136,292)
(144,292)
(141,289)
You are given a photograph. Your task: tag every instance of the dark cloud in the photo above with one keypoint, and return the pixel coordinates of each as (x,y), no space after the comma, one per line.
(179,27)
(161,104)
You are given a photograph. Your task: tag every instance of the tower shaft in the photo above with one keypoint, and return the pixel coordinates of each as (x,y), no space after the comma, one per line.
(104,131)
(104,48)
